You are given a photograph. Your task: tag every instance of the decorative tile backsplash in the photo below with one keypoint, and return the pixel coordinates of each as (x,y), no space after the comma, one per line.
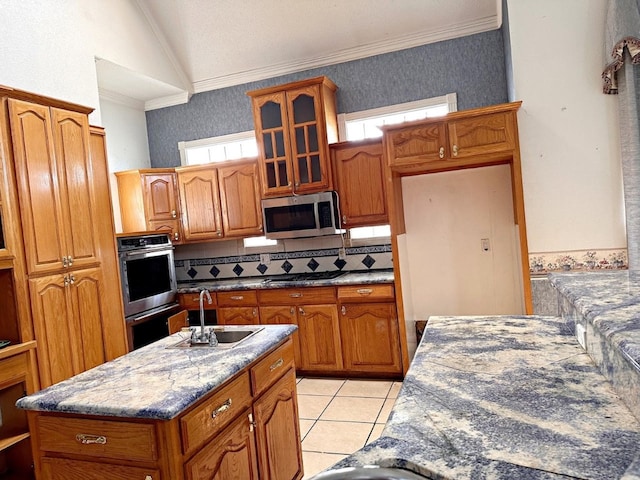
(371,257)
(578,260)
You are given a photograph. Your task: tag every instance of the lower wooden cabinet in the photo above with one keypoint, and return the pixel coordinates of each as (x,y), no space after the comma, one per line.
(283,314)
(238,308)
(68,310)
(66,469)
(370,339)
(278,431)
(320,338)
(232,456)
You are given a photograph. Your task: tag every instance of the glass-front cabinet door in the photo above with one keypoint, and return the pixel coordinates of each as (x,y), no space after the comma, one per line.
(292,123)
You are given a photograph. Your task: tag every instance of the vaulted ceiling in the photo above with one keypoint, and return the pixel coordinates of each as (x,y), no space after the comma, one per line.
(219,43)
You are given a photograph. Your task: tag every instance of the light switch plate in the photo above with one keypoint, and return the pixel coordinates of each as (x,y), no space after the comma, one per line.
(265,258)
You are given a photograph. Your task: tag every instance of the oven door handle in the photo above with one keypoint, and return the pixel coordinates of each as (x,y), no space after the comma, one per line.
(146,252)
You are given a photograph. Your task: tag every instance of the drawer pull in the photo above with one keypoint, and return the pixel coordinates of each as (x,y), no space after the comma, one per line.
(91,439)
(237,297)
(277,364)
(295,295)
(365,291)
(222,408)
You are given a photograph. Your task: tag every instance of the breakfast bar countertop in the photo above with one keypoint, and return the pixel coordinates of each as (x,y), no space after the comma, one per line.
(505,397)
(157,381)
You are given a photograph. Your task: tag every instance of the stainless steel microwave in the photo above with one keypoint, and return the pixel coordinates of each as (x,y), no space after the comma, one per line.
(301,216)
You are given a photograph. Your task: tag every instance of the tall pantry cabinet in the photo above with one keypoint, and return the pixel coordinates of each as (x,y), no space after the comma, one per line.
(65,215)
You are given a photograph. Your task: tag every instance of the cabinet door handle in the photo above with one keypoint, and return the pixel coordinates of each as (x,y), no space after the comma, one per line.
(174,214)
(222,408)
(441,152)
(277,364)
(237,297)
(300,309)
(72,279)
(176,236)
(295,295)
(70,260)
(255,312)
(455,150)
(252,424)
(293,310)
(365,291)
(343,310)
(219,232)
(88,439)
(65,262)
(148,477)
(344,219)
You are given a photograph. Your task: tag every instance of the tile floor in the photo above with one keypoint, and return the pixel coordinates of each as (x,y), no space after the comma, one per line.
(338,417)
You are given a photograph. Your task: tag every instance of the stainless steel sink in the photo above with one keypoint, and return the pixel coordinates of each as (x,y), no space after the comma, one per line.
(228,336)
(369,473)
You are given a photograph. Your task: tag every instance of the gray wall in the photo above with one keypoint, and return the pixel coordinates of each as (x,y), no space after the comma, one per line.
(473,67)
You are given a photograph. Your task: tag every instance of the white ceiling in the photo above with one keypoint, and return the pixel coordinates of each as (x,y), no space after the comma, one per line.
(219,43)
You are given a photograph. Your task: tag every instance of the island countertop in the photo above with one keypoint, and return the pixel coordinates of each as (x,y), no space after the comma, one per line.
(155,382)
(501,398)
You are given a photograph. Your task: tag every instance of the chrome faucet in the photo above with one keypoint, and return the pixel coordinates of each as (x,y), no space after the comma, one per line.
(204,337)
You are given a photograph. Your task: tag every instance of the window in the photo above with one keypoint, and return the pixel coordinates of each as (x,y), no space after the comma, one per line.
(218,149)
(364,124)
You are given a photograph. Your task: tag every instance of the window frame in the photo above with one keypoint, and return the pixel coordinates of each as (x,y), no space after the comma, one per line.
(213,142)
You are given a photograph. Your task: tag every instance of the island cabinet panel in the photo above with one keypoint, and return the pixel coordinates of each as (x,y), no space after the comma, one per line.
(232,456)
(359,178)
(97,438)
(201,424)
(278,431)
(66,469)
(272,367)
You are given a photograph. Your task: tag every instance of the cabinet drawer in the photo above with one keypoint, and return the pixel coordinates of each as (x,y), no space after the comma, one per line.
(241,297)
(64,469)
(207,419)
(97,438)
(297,296)
(369,293)
(191,301)
(272,367)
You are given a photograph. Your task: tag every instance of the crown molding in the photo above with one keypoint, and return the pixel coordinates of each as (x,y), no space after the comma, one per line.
(401,43)
(121,99)
(168,101)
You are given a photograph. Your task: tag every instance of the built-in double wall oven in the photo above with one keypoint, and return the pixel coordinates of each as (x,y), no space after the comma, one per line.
(149,287)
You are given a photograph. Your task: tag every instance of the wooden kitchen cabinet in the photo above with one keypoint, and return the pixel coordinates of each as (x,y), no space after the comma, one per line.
(239,185)
(294,125)
(54,174)
(278,431)
(67,312)
(317,318)
(220,200)
(460,139)
(359,179)
(283,315)
(238,308)
(149,201)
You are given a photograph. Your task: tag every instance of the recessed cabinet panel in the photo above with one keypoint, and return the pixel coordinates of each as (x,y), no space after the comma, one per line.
(9,326)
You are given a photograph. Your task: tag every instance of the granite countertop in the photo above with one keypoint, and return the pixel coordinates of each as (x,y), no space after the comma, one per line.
(288,281)
(505,397)
(155,381)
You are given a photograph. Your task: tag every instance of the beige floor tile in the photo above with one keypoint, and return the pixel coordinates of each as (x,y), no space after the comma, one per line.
(395,388)
(310,407)
(365,388)
(337,437)
(376,432)
(353,409)
(305,426)
(315,462)
(386,410)
(319,386)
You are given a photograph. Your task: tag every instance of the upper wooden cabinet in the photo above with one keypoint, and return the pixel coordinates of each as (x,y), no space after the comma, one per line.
(294,125)
(220,200)
(460,139)
(54,175)
(359,178)
(149,201)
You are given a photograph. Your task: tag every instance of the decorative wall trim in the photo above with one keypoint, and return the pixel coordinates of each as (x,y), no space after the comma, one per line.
(375,257)
(578,260)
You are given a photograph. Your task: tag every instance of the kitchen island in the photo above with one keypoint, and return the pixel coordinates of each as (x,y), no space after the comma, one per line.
(505,397)
(173,413)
